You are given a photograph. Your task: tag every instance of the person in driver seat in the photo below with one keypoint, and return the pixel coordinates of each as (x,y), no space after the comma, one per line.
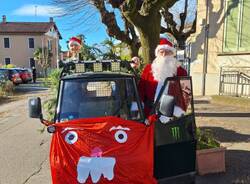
(153,76)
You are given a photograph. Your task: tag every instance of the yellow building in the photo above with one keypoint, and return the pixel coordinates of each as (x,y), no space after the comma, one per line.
(222,39)
(19,40)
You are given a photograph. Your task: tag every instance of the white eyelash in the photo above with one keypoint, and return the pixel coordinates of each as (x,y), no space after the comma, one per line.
(119,128)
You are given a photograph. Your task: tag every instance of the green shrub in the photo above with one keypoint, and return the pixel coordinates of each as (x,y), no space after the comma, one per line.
(49,106)
(206,140)
(52,81)
(6,88)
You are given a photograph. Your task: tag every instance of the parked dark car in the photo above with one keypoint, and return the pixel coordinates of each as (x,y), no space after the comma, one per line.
(13,75)
(25,74)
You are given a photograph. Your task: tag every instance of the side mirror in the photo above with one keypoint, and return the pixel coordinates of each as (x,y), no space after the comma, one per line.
(167,103)
(35,107)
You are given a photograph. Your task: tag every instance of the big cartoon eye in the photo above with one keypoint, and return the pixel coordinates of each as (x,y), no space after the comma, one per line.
(71,137)
(121,136)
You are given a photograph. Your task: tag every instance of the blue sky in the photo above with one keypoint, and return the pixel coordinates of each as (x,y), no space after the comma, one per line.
(40,11)
(24,11)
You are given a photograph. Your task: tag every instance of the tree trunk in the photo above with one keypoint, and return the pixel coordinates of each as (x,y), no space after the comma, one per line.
(181,43)
(134,49)
(149,32)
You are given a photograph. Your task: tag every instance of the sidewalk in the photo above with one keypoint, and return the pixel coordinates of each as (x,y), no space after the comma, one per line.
(231,126)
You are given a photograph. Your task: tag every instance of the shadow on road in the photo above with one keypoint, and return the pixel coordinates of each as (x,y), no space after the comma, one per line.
(237,170)
(201,101)
(226,135)
(30,88)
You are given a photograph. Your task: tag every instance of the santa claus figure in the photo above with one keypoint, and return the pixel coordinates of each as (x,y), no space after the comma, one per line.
(153,77)
(75,45)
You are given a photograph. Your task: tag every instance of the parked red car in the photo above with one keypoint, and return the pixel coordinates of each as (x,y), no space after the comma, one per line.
(25,75)
(14,76)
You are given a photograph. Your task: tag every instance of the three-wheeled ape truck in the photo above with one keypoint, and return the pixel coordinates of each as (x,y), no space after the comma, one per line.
(100,133)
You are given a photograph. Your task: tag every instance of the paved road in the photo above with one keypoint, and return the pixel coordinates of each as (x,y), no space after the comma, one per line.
(23,149)
(231,126)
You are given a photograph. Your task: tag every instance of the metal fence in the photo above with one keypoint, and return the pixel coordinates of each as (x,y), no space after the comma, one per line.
(235,81)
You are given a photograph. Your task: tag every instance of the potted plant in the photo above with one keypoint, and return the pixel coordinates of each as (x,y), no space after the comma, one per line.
(210,155)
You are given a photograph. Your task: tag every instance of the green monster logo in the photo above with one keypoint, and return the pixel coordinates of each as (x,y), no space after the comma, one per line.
(176,133)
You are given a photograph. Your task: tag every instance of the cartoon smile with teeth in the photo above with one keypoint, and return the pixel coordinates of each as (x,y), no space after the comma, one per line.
(106,150)
(95,167)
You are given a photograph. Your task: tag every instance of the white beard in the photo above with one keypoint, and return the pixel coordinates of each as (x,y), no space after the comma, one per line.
(163,67)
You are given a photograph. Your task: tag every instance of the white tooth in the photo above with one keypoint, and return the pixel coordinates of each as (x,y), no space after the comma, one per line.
(83,169)
(108,171)
(95,174)
(95,166)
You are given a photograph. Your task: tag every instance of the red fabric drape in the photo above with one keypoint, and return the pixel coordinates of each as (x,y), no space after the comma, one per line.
(89,150)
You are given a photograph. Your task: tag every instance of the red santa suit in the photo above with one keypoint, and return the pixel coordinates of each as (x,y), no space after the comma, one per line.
(148,85)
(151,83)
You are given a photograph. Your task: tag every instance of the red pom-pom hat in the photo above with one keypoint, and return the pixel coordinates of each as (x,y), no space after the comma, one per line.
(166,45)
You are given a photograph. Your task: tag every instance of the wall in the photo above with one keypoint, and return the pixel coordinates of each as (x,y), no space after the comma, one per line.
(216,58)
(19,50)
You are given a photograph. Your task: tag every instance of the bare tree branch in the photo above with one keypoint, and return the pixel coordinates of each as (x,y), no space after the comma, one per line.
(144,15)
(153,6)
(183,16)
(181,34)
(169,19)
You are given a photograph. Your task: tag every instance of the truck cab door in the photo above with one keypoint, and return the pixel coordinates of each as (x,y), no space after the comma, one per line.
(175,141)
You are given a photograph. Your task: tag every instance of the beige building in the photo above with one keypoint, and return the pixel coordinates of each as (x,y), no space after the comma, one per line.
(223,32)
(19,40)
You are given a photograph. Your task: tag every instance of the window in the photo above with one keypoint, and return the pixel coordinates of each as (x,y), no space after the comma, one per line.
(237,26)
(245,35)
(31,43)
(7,61)
(114,98)
(49,45)
(32,63)
(6,43)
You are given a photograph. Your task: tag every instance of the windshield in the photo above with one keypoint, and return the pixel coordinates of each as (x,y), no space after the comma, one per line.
(87,99)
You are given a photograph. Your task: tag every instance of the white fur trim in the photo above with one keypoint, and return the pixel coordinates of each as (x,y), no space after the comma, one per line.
(165,47)
(74,42)
(178,111)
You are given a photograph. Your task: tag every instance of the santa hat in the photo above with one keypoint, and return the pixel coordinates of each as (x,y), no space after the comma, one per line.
(75,40)
(166,45)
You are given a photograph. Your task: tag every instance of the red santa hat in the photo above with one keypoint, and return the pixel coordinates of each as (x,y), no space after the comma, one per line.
(166,45)
(75,40)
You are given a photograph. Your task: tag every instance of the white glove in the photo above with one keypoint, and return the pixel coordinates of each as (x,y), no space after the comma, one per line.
(164,119)
(146,122)
(178,112)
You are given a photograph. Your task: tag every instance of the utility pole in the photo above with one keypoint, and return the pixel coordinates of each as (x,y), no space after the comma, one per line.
(205,54)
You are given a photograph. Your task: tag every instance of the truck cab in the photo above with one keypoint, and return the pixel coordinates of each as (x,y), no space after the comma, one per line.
(99,89)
